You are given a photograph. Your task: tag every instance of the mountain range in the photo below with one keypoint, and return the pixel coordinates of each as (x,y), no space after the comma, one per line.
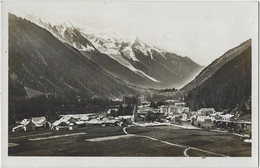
(41,62)
(127,58)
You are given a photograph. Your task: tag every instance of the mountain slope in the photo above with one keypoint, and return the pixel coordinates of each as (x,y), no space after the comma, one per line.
(225,83)
(127,58)
(163,68)
(39,61)
(216,65)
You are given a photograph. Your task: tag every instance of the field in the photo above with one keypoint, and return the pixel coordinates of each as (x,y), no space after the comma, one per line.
(127,141)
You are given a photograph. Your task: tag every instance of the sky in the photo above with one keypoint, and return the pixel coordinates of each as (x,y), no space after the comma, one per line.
(202,31)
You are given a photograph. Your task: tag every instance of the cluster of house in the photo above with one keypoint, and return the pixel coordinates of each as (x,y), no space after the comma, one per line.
(32,124)
(173,112)
(178,112)
(71,121)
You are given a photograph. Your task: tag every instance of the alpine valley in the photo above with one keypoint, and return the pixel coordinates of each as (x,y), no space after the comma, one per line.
(75,90)
(70,58)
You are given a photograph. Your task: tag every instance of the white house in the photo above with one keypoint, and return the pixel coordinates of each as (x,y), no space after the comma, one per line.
(184,117)
(216,115)
(23,125)
(206,111)
(40,122)
(163,109)
(180,104)
(32,124)
(171,109)
(226,117)
(204,118)
(183,109)
(171,101)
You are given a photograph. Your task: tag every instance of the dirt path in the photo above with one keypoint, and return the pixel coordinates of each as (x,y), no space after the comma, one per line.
(108,138)
(185,152)
(57,136)
(173,144)
(26,136)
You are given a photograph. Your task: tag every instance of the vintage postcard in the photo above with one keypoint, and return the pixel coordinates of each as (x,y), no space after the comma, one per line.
(129,84)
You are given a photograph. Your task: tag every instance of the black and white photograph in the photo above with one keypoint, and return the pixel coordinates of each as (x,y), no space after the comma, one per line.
(129,83)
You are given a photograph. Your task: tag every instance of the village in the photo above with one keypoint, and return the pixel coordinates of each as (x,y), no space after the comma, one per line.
(165,128)
(173,112)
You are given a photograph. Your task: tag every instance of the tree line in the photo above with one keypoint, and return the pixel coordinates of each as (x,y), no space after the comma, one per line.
(52,106)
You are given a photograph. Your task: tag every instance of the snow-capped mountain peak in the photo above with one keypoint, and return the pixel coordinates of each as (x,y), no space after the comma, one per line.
(147,50)
(134,59)
(139,41)
(68,24)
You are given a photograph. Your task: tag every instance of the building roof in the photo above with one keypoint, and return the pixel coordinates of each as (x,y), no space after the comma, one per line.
(25,122)
(180,103)
(64,119)
(206,109)
(94,121)
(217,113)
(204,117)
(39,121)
(84,118)
(18,127)
(77,116)
(109,121)
(171,100)
(227,116)
(80,122)
(125,117)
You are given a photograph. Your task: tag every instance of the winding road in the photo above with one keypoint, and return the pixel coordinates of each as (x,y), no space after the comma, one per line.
(173,144)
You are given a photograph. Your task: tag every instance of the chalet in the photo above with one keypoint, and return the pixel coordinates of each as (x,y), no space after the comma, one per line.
(143,106)
(205,122)
(78,116)
(184,117)
(180,104)
(216,115)
(171,109)
(176,118)
(206,111)
(139,117)
(182,110)
(163,109)
(80,123)
(178,108)
(40,123)
(204,118)
(94,122)
(19,128)
(171,101)
(144,110)
(23,125)
(185,110)
(125,120)
(193,117)
(67,122)
(226,117)
(85,118)
(107,122)
(34,123)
